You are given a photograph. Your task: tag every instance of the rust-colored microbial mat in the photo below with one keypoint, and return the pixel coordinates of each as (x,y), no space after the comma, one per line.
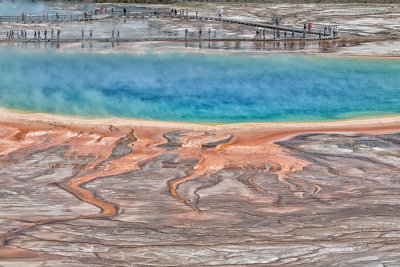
(111,195)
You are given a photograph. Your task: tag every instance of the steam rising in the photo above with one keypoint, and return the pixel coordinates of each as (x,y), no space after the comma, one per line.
(16,7)
(198,87)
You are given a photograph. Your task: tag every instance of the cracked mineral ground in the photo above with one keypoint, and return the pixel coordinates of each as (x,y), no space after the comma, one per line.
(106,195)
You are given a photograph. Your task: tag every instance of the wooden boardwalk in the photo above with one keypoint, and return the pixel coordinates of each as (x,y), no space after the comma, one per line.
(32,19)
(166,39)
(150,14)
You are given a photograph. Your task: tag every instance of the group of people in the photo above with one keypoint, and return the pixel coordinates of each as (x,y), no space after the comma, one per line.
(87,14)
(328,31)
(200,33)
(90,33)
(183,12)
(10,35)
(261,33)
(174,12)
(113,34)
(99,10)
(24,16)
(46,34)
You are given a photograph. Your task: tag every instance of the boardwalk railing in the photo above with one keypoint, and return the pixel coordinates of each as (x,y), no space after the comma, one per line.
(71,17)
(44,18)
(166,39)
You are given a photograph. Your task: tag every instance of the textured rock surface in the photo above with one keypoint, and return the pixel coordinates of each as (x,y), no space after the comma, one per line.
(108,196)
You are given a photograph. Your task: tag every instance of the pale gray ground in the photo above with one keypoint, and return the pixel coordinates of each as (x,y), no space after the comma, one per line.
(367,29)
(352,221)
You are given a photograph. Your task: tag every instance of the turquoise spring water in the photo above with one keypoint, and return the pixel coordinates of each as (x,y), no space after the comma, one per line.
(215,88)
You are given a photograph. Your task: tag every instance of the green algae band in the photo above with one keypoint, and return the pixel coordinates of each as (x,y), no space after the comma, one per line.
(215,88)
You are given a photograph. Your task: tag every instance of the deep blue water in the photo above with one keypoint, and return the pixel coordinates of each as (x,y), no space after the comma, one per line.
(199,87)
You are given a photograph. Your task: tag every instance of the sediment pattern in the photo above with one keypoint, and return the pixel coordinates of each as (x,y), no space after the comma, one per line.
(99,195)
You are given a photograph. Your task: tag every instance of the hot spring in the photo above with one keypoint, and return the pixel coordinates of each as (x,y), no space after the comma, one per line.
(197,87)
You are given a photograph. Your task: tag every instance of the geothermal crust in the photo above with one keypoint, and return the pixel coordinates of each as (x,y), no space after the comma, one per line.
(95,194)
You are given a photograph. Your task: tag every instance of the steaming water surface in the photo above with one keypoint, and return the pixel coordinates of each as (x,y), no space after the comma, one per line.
(199,87)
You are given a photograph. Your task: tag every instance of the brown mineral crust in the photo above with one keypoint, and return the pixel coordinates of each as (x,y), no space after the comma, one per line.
(185,174)
(13,253)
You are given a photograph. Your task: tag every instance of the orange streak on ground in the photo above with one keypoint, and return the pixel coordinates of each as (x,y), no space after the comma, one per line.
(125,164)
(239,156)
(17,254)
(191,148)
(130,162)
(258,188)
(274,134)
(250,148)
(173,185)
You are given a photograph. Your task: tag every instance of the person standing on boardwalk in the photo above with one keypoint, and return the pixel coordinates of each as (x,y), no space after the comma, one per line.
(124,11)
(52,34)
(325,28)
(186,33)
(58,34)
(219,14)
(277,21)
(309,27)
(34,35)
(118,34)
(320,34)
(304,34)
(45,33)
(112,34)
(197,13)
(200,33)
(209,33)
(305,26)
(91,34)
(38,34)
(292,33)
(83,33)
